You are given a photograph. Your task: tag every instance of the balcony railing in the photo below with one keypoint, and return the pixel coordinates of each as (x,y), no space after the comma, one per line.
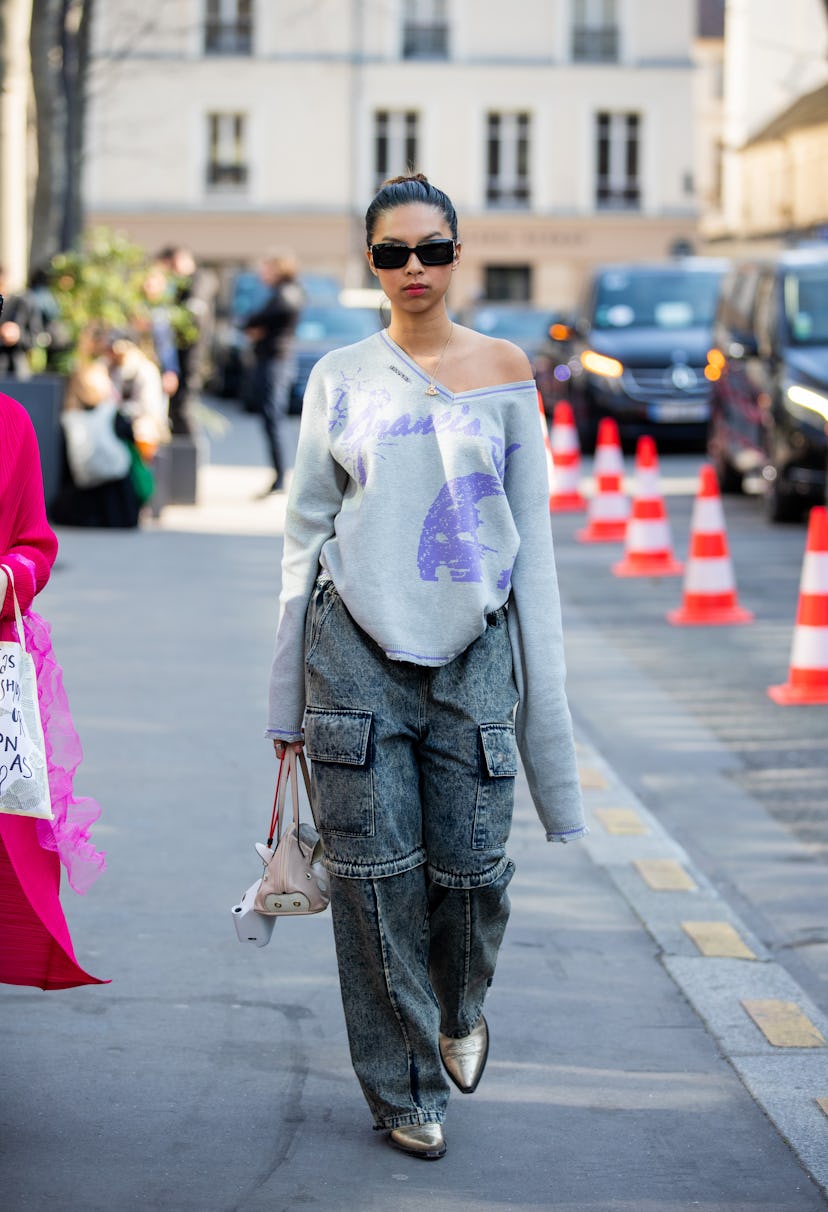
(226,175)
(595,44)
(617,197)
(228,38)
(425,41)
(513,196)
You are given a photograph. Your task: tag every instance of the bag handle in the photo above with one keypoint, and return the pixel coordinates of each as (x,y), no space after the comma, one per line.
(289,756)
(274,815)
(18,618)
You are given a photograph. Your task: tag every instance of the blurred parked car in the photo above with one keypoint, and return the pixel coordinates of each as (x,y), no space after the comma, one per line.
(323,327)
(639,349)
(521,323)
(770,370)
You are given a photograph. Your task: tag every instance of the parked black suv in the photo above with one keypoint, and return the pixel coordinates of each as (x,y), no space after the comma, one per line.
(770,397)
(639,349)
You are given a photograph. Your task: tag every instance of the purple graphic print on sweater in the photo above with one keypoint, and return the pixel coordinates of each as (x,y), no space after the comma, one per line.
(365,417)
(449,538)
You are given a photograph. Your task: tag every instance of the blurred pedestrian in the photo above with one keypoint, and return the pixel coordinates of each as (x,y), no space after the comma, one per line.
(419,646)
(20,327)
(54,337)
(139,389)
(35,944)
(155,328)
(271,330)
(98,488)
(193,290)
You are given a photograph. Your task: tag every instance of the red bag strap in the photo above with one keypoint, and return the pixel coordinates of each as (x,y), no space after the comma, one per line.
(281,788)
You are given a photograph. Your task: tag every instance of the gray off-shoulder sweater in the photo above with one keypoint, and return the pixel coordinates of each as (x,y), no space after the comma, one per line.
(429,512)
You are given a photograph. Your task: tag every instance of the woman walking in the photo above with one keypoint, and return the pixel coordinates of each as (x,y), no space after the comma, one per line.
(35,944)
(419,646)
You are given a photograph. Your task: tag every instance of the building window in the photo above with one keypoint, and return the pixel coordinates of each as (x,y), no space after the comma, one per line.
(618,156)
(425,33)
(226,157)
(228,28)
(508,283)
(395,143)
(594,31)
(507,160)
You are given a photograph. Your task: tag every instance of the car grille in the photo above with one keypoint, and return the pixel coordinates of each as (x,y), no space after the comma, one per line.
(649,381)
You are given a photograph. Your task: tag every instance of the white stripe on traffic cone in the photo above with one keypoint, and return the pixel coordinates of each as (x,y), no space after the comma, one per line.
(648,549)
(709,585)
(808,675)
(566,459)
(609,507)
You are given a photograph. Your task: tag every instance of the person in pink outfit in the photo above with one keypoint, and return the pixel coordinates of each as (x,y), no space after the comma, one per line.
(35,944)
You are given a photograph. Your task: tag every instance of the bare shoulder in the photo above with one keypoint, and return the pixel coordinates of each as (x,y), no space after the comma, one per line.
(492,360)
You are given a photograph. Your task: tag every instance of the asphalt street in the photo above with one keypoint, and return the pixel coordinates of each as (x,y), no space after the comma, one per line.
(627,1070)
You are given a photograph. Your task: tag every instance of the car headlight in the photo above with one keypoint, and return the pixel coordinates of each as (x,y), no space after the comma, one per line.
(600,364)
(807,398)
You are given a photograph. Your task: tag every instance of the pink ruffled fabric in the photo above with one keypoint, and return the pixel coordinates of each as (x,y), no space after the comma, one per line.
(68,833)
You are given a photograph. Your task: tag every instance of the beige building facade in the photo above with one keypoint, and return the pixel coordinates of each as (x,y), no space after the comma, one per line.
(563,130)
(774,127)
(785,173)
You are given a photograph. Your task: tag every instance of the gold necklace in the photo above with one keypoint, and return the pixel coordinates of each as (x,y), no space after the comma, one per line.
(431,390)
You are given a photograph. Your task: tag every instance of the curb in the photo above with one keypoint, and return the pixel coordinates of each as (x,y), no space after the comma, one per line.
(784,1062)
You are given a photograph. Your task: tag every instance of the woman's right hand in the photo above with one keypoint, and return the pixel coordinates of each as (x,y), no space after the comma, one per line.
(279,747)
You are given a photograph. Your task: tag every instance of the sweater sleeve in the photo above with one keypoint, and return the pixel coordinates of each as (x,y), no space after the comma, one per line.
(32,546)
(543,723)
(314,500)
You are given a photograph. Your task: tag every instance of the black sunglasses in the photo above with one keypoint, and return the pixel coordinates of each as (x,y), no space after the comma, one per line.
(395,256)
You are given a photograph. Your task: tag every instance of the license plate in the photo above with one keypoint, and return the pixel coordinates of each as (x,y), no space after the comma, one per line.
(679,410)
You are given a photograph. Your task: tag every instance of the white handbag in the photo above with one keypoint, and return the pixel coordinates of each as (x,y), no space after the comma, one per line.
(24,774)
(294,882)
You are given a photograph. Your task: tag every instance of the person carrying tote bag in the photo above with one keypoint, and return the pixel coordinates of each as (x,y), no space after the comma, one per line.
(24,779)
(35,943)
(98,488)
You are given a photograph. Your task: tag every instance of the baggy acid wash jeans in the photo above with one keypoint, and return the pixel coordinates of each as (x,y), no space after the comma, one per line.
(413,787)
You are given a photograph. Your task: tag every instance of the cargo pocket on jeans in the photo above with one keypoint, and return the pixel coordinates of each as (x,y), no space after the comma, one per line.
(495,787)
(336,740)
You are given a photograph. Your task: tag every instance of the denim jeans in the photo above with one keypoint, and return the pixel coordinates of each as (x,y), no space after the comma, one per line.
(274,377)
(413,787)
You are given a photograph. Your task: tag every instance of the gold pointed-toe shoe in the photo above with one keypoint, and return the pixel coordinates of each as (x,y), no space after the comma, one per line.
(465,1059)
(419,1140)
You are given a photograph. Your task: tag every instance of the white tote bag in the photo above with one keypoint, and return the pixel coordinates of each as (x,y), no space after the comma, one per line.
(24,779)
(95,453)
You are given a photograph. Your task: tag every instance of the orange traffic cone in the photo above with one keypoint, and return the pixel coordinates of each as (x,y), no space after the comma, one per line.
(709,586)
(647,543)
(566,461)
(808,676)
(550,463)
(609,508)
